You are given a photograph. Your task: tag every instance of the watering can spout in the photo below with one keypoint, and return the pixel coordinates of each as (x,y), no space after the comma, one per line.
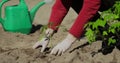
(35,8)
(1,4)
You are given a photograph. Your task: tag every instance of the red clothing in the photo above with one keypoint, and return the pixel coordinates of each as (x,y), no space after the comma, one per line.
(60,9)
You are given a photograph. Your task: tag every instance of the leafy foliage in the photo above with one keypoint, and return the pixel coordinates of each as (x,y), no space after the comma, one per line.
(105,28)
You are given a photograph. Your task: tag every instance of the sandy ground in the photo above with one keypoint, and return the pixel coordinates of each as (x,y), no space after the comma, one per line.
(17,47)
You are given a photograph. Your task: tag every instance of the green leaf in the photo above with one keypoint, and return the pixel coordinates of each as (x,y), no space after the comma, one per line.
(111,41)
(99,22)
(112,30)
(90,35)
(111,16)
(116,25)
(105,33)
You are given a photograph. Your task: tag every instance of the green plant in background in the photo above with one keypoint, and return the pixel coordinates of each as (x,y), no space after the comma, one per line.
(105,28)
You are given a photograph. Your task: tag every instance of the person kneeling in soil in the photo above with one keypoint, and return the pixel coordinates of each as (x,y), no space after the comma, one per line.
(86,10)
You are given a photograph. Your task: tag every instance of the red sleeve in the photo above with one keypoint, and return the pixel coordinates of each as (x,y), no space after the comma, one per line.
(89,9)
(59,11)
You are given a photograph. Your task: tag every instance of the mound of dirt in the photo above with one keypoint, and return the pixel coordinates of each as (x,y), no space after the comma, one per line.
(17,48)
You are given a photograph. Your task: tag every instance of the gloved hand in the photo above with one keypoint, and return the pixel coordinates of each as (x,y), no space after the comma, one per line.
(64,45)
(44,41)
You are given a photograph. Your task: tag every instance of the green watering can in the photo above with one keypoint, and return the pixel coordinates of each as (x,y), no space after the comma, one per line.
(18,18)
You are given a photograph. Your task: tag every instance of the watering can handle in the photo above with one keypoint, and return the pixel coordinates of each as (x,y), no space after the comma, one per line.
(1,4)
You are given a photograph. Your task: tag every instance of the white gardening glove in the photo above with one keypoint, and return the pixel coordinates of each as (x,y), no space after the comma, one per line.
(44,41)
(64,45)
